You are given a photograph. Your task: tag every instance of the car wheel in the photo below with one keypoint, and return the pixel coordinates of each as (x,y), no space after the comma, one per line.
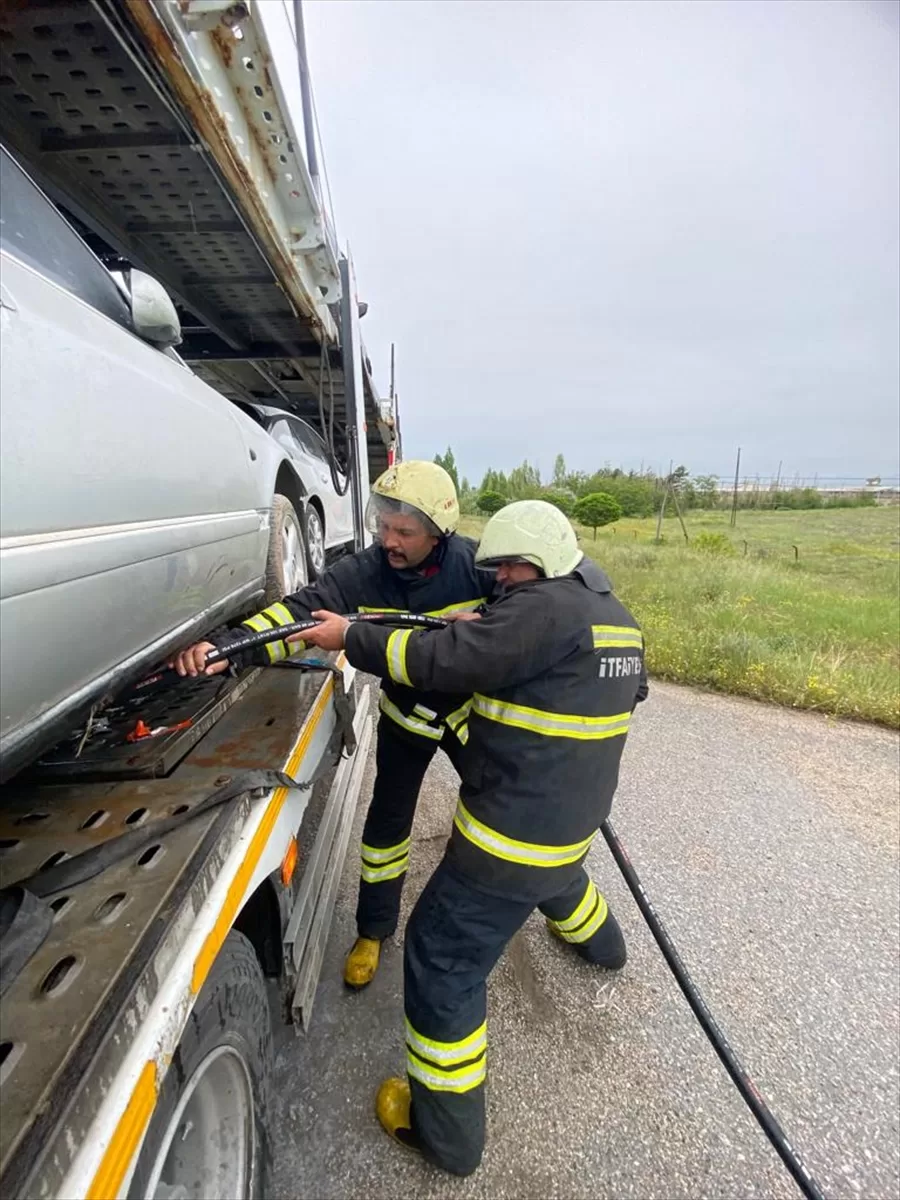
(286,571)
(209,1135)
(315,542)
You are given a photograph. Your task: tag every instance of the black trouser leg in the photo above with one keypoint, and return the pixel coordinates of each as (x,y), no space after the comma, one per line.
(581,916)
(453,940)
(401,761)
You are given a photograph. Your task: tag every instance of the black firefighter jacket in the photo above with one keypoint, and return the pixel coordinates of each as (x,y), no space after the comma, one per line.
(447,582)
(555,670)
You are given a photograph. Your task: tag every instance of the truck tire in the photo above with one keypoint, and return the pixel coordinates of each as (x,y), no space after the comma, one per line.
(286,570)
(208,1136)
(315,541)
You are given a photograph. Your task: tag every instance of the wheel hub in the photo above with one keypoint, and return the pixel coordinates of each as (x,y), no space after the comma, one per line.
(207,1147)
(315,540)
(292,558)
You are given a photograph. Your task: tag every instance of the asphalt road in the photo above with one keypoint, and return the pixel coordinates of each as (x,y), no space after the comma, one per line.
(768,841)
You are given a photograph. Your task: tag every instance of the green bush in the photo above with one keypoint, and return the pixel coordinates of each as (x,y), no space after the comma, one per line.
(561,500)
(597,509)
(491,502)
(637,495)
(798,498)
(713,543)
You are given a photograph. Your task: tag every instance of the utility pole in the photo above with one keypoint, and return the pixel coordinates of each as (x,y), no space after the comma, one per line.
(662,510)
(734,499)
(678,514)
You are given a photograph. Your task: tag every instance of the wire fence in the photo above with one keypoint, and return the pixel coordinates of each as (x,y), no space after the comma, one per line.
(836,485)
(816,553)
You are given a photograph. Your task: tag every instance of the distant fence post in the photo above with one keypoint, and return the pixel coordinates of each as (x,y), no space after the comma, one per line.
(746,547)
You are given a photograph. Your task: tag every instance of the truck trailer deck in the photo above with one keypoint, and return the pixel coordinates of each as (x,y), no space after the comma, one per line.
(161,130)
(91,1023)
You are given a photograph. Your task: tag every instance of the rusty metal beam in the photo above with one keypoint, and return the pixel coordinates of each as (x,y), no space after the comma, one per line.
(254,186)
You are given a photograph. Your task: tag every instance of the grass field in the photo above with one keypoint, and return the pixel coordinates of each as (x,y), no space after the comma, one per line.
(818,628)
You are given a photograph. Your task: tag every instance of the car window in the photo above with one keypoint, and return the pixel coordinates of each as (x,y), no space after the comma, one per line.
(37,234)
(280,429)
(308,439)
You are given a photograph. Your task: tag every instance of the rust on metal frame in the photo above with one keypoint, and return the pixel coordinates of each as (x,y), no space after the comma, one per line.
(214,131)
(225,45)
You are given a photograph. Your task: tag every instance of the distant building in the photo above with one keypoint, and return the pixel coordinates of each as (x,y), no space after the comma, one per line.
(873,487)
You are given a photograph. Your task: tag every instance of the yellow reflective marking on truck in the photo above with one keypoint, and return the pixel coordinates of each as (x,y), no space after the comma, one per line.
(124,1142)
(238,887)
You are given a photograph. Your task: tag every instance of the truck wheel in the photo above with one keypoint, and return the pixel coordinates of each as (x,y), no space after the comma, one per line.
(286,569)
(315,542)
(208,1136)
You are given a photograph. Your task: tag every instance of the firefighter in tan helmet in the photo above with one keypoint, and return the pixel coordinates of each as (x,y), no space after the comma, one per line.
(418,563)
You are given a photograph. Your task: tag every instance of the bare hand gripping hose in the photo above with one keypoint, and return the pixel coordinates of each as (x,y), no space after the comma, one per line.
(736,1070)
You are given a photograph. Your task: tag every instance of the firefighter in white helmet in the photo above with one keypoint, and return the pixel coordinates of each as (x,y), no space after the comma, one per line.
(555,668)
(417,564)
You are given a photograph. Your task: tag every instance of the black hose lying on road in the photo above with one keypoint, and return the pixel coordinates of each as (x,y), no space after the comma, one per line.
(711,1028)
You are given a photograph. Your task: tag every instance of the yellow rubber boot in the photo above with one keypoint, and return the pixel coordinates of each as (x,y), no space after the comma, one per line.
(392,1105)
(362,962)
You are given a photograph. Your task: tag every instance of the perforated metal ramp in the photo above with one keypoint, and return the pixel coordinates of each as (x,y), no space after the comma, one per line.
(71,1015)
(167,143)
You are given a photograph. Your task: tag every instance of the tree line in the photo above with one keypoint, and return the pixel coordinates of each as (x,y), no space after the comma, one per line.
(632,493)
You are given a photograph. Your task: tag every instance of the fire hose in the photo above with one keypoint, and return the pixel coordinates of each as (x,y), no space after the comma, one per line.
(732,1064)
(251,640)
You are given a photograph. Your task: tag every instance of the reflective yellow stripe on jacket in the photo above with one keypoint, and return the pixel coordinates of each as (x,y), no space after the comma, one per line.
(421,727)
(617,636)
(458,721)
(527,854)
(550,724)
(271,618)
(396,656)
(461,606)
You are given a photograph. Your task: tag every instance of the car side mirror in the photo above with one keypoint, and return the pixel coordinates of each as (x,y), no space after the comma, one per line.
(153,314)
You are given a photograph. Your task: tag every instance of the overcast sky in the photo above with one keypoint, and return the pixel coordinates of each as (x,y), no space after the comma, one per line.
(625,231)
